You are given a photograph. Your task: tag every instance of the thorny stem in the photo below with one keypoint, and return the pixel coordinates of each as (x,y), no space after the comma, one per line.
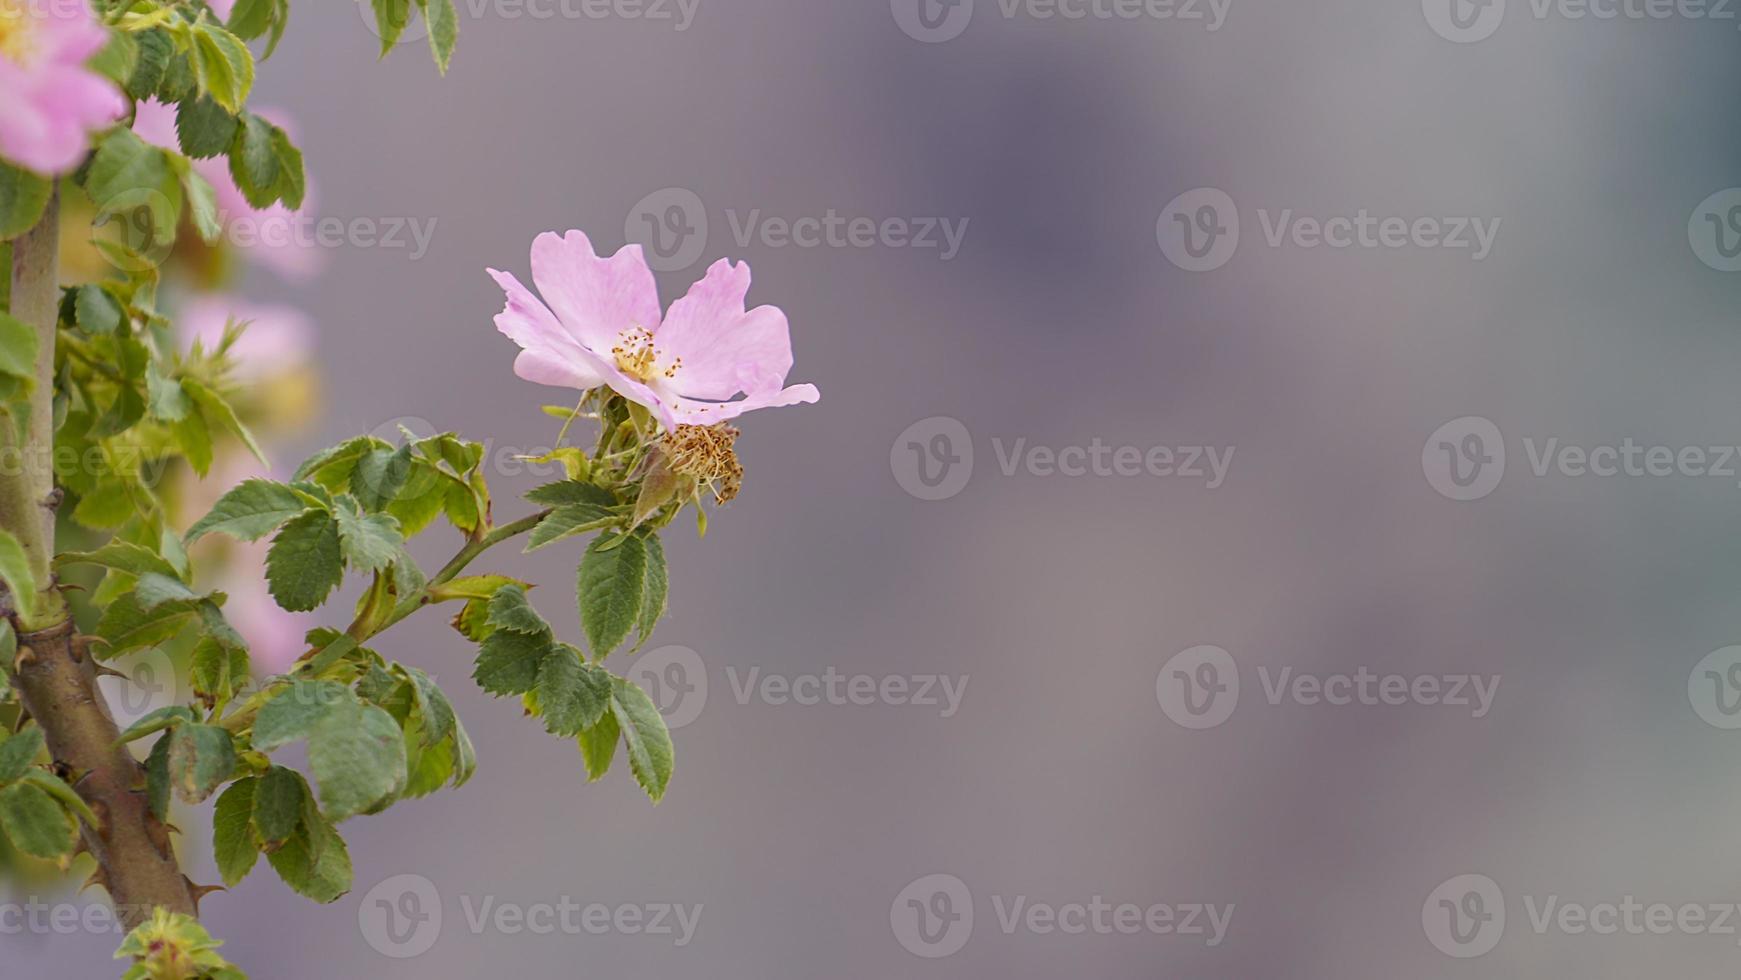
(54,671)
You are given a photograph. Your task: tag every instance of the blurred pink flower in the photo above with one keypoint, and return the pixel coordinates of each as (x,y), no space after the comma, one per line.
(278,339)
(607,330)
(51,101)
(276,237)
(222,8)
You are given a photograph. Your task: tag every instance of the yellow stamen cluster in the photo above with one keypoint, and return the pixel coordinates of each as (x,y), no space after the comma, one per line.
(707,453)
(15,43)
(638,358)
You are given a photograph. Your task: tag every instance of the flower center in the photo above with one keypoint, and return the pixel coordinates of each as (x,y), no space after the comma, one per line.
(636,356)
(708,453)
(15,31)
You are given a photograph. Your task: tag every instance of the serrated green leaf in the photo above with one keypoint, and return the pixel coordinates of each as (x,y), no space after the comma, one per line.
(201,758)
(566,521)
(219,413)
(568,492)
(35,823)
(572,694)
(314,862)
(157,778)
(357,754)
(117,58)
(510,610)
(598,746)
(306,562)
(250,18)
(135,186)
(154,590)
(254,161)
(203,128)
(122,556)
(223,65)
(443,19)
(645,736)
(17,575)
(251,511)
(391,18)
(127,626)
(278,804)
(656,591)
(23,198)
(18,752)
(151,62)
(370,542)
(233,841)
(508,662)
(98,312)
(612,583)
(294,712)
(379,477)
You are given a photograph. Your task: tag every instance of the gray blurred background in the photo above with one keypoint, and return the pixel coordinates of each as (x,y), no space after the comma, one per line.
(1062,321)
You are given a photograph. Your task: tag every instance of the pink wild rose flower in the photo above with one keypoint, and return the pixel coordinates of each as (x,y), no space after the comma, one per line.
(50,102)
(602,327)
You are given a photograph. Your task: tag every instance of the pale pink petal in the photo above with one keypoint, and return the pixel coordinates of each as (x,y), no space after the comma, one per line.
(525,320)
(691,412)
(725,350)
(596,299)
(52,101)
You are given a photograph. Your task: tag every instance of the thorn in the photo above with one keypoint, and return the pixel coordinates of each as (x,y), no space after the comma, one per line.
(97,878)
(199,892)
(25,657)
(171,827)
(54,498)
(104,670)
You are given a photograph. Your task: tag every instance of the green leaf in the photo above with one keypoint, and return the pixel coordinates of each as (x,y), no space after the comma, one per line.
(17,351)
(598,746)
(293,713)
(134,183)
(357,755)
(122,556)
(221,414)
(201,758)
(251,18)
(151,63)
(17,575)
(157,721)
(465,756)
(254,161)
(63,793)
(153,590)
(391,18)
(612,584)
(509,610)
(443,19)
(306,562)
(251,511)
(314,862)
(18,752)
(438,717)
(278,804)
(566,521)
(291,185)
(645,736)
(202,203)
(567,492)
(126,625)
(98,312)
(223,64)
(23,197)
(573,695)
(117,59)
(157,778)
(657,589)
(370,542)
(35,823)
(168,401)
(219,671)
(233,841)
(379,477)
(508,662)
(203,128)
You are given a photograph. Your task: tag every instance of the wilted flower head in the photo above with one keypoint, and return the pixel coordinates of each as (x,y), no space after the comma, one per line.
(50,102)
(603,327)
